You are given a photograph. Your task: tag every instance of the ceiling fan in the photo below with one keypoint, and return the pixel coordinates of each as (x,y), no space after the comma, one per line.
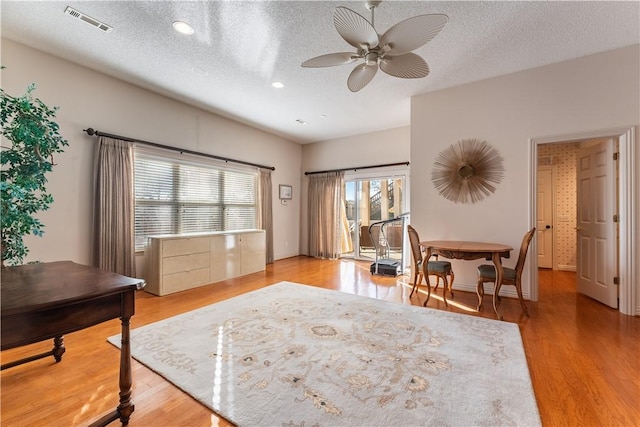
(391,52)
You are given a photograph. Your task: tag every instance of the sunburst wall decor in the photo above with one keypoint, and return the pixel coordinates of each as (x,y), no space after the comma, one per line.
(468,171)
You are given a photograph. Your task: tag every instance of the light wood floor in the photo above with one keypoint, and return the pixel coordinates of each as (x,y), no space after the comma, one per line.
(584,358)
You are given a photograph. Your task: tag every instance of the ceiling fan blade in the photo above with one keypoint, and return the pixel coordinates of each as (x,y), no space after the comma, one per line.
(412,33)
(330,60)
(354,28)
(407,66)
(361,76)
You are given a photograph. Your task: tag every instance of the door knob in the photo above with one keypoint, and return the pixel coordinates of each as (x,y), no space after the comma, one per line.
(548,227)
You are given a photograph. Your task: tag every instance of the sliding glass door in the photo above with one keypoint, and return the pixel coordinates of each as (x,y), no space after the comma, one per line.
(368,200)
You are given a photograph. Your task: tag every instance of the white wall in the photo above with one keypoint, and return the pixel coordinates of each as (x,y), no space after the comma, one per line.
(90,99)
(383,147)
(591,93)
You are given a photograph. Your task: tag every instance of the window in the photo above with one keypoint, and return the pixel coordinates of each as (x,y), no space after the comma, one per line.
(175,196)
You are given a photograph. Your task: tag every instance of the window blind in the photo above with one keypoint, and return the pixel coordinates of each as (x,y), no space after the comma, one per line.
(176,196)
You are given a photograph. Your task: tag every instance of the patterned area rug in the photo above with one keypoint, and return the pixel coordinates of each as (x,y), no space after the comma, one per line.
(296,355)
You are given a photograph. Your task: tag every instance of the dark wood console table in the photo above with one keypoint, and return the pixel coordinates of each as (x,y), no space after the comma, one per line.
(47,300)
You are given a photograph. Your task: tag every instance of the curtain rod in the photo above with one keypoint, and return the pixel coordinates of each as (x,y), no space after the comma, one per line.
(359,167)
(92,132)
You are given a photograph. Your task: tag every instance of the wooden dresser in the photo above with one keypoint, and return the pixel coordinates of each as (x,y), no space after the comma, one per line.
(177,262)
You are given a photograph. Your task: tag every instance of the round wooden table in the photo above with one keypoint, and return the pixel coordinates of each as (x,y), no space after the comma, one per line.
(461,249)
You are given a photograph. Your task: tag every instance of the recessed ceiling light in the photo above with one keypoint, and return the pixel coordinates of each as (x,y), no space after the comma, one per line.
(277,85)
(183,27)
(199,71)
(300,121)
(323,116)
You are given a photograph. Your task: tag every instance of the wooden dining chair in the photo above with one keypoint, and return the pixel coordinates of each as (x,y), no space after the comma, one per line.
(510,276)
(440,269)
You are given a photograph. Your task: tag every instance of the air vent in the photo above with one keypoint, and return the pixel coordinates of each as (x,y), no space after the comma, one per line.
(89,20)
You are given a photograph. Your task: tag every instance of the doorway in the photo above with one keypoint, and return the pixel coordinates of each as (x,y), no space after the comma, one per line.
(368,201)
(627,275)
(576,185)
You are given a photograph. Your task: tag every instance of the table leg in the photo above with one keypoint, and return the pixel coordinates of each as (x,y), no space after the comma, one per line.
(58,348)
(126,407)
(57,351)
(497,262)
(425,272)
(480,293)
(444,291)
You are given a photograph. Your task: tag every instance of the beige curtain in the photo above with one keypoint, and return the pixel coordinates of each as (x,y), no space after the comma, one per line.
(265,212)
(325,226)
(114,207)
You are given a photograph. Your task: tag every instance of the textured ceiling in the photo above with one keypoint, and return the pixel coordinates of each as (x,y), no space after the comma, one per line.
(244,46)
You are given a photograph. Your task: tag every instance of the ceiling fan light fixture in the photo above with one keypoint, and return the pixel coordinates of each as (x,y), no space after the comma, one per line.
(371,58)
(390,51)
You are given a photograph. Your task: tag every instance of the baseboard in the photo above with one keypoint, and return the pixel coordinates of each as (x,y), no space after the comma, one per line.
(567,267)
(290,255)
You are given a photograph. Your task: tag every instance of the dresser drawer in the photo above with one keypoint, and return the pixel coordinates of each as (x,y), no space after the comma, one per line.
(174,247)
(176,264)
(184,280)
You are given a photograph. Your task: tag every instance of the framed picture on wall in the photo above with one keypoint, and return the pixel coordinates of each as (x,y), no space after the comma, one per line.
(285,192)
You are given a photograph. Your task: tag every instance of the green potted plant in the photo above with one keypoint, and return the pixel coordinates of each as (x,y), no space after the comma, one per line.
(32,135)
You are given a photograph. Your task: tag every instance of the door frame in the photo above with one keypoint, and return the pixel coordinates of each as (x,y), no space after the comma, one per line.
(627,209)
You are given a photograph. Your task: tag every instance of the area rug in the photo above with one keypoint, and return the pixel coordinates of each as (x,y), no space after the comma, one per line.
(296,355)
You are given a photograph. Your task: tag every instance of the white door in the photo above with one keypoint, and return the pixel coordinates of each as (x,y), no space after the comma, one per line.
(596,229)
(544,220)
